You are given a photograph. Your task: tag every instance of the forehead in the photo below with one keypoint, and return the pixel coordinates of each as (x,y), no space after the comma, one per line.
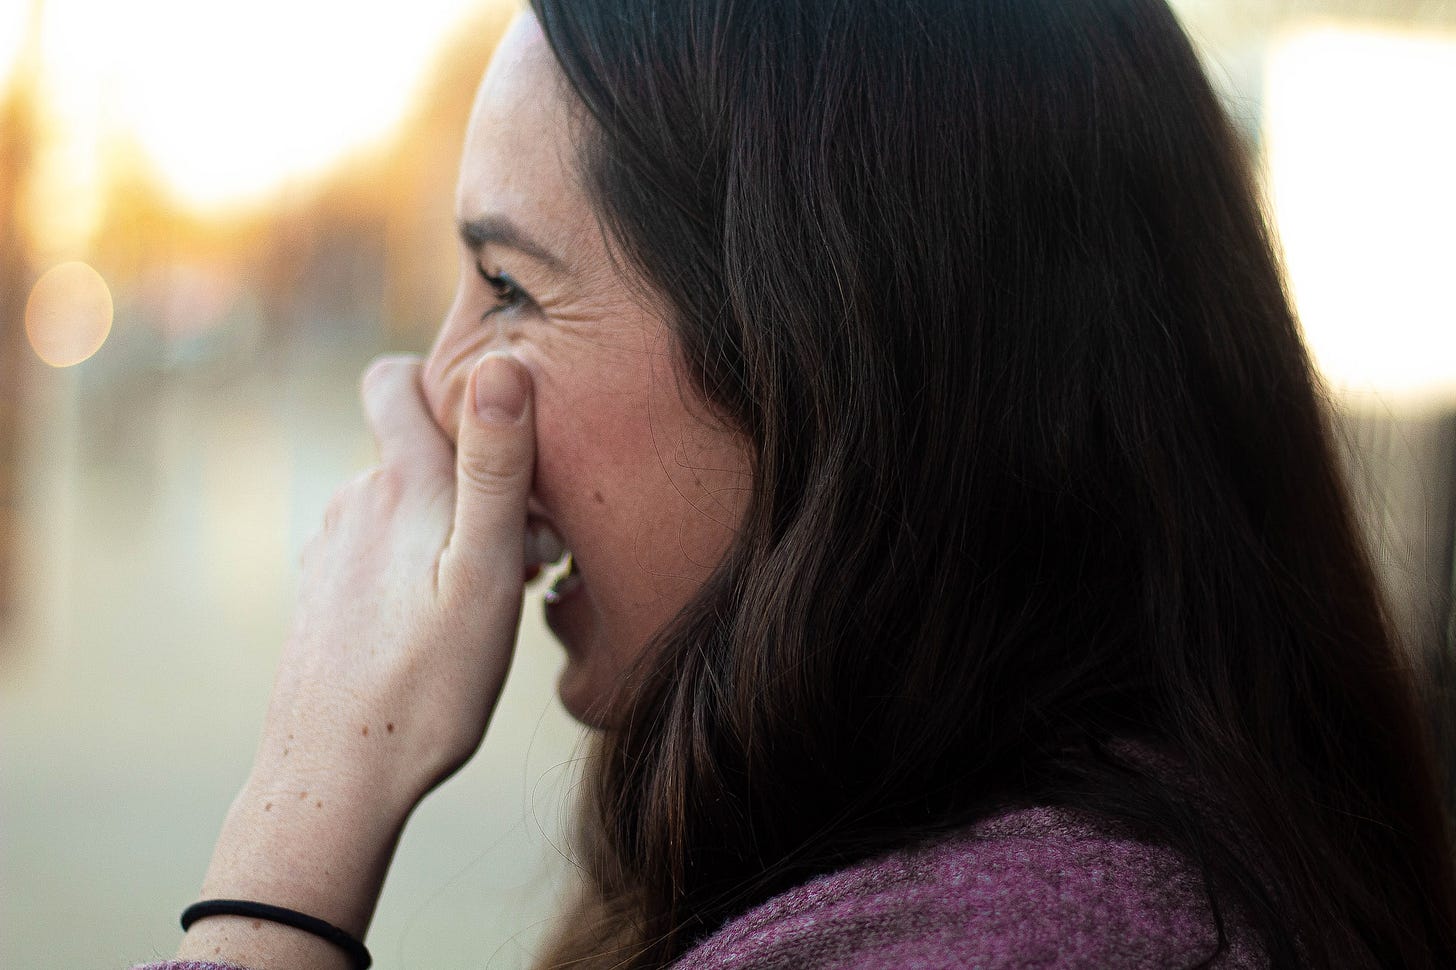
(519,156)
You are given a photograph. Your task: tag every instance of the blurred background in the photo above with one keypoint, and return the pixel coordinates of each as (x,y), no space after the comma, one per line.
(212,216)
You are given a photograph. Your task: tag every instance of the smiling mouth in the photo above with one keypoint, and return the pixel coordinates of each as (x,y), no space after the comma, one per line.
(567,581)
(546,552)
(544,548)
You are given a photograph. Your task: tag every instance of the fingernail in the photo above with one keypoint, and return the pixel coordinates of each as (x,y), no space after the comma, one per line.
(500,389)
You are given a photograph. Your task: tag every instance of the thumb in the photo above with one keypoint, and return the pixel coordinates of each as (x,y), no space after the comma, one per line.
(495,456)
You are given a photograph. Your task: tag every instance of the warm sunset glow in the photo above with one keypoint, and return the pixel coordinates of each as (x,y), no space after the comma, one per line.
(12,33)
(1361,138)
(68,316)
(229,102)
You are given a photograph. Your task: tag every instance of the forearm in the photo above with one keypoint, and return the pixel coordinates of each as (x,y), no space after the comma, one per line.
(409,602)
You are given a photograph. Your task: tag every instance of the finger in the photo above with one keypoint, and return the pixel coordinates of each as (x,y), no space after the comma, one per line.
(495,456)
(404,431)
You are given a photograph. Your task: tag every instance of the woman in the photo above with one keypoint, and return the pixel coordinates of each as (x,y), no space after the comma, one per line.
(960,570)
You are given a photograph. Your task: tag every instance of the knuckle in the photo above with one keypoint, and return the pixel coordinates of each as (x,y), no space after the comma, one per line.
(354,492)
(355,486)
(491,475)
(335,509)
(496,467)
(387,484)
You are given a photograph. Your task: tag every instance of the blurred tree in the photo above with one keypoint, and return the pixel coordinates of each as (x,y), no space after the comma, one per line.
(18,130)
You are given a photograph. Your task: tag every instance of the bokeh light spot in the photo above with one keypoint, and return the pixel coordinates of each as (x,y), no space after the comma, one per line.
(1361,151)
(68,316)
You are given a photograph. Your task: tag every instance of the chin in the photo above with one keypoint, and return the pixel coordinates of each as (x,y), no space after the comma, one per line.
(582,695)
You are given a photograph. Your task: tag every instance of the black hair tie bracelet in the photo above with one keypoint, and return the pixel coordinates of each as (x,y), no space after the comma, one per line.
(277,914)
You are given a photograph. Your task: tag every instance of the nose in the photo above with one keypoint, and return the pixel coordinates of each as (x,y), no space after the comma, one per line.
(442,381)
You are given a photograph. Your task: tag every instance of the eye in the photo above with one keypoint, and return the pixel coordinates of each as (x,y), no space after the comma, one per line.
(508,293)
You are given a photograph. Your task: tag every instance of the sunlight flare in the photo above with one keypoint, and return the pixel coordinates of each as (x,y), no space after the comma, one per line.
(229,103)
(1361,154)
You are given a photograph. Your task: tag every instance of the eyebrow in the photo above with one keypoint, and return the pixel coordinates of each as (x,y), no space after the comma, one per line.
(500,231)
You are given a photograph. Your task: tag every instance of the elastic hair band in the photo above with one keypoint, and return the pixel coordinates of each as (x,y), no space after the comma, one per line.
(277,914)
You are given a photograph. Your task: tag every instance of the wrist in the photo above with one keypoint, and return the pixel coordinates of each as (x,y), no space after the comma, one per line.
(309,842)
(306,832)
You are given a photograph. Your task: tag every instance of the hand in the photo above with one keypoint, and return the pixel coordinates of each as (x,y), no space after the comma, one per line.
(407,619)
(411,594)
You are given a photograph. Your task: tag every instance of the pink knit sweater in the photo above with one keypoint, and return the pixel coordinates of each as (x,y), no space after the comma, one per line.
(1038,887)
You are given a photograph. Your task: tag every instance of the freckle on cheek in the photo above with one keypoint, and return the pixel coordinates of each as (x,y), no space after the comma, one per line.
(389,728)
(598,497)
(365,732)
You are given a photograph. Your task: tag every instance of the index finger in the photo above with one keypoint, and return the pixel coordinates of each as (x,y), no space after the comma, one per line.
(404,431)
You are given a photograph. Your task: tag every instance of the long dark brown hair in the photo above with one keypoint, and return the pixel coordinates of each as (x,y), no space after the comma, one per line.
(1040,467)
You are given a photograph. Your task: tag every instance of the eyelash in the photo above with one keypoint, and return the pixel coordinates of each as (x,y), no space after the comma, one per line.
(508,292)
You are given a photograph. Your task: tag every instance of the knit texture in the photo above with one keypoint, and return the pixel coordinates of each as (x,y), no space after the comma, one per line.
(1038,887)
(1032,888)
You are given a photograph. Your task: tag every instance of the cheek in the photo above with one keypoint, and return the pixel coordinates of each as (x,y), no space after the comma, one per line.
(651,497)
(591,449)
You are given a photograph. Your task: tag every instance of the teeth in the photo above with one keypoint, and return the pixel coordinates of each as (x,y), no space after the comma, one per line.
(566,581)
(543,546)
